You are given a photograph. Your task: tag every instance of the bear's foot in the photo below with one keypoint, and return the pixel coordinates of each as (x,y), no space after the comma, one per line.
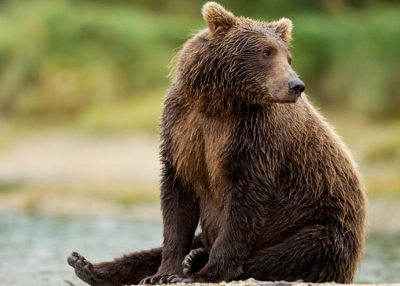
(194,261)
(85,270)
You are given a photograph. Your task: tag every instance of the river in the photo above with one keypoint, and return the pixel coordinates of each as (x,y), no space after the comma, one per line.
(34,249)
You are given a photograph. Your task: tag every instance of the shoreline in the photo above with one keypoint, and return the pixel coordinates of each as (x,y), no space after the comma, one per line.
(383,211)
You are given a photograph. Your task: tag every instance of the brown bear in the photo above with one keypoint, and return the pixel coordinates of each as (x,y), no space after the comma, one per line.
(244,154)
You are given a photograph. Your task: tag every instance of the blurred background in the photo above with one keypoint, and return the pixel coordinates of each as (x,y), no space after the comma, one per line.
(81,91)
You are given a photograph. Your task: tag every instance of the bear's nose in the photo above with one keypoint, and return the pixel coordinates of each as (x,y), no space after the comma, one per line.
(296,87)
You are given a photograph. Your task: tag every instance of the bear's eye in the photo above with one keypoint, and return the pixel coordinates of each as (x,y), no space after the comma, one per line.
(267,54)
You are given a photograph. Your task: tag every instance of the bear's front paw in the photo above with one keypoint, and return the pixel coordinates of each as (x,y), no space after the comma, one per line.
(195,261)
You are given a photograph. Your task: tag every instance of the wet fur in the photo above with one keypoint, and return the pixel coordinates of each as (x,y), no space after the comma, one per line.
(275,190)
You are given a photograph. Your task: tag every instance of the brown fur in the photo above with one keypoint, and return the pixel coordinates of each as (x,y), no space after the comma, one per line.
(199,141)
(275,190)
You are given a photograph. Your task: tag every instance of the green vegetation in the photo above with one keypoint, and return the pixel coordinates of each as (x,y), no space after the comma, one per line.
(80,61)
(63,60)
(136,113)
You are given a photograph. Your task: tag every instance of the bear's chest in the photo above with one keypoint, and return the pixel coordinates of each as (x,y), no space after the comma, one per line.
(200,144)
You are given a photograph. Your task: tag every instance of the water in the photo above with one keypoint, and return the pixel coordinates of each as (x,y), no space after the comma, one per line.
(33,250)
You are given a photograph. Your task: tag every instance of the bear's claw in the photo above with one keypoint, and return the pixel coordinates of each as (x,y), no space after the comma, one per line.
(156,280)
(179,279)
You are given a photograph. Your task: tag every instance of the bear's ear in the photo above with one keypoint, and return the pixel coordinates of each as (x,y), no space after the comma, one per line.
(217,18)
(283,28)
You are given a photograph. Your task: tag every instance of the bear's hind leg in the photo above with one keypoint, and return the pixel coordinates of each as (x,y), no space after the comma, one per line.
(315,254)
(129,269)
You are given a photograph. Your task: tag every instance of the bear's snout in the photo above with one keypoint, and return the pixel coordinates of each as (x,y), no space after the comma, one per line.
(296,87)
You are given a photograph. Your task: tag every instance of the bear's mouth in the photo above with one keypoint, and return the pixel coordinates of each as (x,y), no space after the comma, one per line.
(282,97)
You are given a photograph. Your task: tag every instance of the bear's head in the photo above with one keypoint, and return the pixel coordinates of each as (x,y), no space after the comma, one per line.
(238,61)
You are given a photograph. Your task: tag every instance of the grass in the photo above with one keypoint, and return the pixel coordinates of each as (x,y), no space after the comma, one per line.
(376,148)
(91,200)
(138,114)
